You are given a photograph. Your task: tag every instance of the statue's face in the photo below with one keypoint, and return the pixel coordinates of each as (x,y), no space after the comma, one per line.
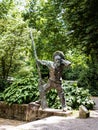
(57,60)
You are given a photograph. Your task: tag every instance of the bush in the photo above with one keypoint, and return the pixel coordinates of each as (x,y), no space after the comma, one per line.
(77,96)
(4,83)
(25,90)
(53,99)
(89,79)
(22,90)
(1,96)
(74,96)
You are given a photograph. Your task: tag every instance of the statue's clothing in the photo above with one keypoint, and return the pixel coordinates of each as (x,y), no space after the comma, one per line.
(54,81)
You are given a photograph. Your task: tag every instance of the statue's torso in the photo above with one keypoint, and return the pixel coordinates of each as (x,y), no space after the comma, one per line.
(55,73)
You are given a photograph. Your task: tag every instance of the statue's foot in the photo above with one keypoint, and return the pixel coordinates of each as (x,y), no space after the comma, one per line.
(64,109)
(38,102)
(67,108)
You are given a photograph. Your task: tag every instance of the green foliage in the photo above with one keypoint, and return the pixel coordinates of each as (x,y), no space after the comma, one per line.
(78,63)
(4,84)
(5,7)
(77,96)
(74,96)
(81,18)
(1,96)
(62,26)
(14,44)
(52,99)
(57,25)
(89,79)
(46,18)
(23,90)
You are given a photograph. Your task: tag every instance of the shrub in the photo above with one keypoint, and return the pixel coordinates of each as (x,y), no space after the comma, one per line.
(77,96)
(74,96)
(1,96)
(53,99)
(25,90)
(22,90)
(3,84)
(89,79)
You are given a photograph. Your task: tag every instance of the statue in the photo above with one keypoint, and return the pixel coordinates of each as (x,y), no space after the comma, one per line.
(56,68)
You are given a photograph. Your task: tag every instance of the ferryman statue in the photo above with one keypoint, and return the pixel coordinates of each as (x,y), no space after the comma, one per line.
(56,68)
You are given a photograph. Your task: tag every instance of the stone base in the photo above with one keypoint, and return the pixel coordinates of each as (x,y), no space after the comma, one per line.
(35,114)
(28,112)
(14,111)
(53,112)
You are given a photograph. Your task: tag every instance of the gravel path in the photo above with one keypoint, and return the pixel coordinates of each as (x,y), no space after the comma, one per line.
(61,123)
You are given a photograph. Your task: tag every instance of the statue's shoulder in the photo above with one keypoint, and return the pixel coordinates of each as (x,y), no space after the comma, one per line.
(49,63)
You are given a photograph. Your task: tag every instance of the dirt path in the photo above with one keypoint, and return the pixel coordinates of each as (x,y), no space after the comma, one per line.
(59,123)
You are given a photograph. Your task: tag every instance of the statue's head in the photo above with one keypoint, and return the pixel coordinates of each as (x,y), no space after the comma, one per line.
(57,57)
(58,53)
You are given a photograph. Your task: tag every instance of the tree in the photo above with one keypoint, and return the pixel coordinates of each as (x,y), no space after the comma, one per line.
(46,18)
(68,24)
(81,18)
(14,44)
(5,7)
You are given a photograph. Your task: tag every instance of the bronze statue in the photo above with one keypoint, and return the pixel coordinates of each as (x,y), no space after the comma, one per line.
(56,68)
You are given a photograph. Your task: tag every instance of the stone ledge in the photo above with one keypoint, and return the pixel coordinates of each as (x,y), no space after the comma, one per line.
(56,112)
(42,113)
(14,111)
(28,112)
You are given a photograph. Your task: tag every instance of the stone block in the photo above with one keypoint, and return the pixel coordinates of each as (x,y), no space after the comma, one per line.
(83,112)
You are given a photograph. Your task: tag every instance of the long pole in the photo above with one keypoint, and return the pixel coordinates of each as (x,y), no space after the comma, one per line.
(35,54)
(41,82)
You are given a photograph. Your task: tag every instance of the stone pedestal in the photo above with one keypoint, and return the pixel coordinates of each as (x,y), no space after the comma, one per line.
(28,112)
(35,113)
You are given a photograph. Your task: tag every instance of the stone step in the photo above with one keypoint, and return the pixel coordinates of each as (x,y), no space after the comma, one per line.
(35,114)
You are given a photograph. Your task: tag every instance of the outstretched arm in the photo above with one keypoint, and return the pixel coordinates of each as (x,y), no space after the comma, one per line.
(44,62)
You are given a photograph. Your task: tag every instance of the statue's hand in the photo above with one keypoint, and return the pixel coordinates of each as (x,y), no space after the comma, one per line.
(66,62)
(38,61)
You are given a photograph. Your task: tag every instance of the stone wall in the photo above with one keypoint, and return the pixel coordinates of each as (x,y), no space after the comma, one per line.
(28,112)
(14,111)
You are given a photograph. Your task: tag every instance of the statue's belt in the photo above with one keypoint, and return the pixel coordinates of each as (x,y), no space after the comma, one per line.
(57,82)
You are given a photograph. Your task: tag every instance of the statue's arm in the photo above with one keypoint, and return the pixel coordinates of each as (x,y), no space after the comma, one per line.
(44,62)
(66,63)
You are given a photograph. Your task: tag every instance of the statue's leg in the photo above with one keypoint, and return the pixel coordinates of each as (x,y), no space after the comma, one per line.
(62,98)
(43,97)
(45,88)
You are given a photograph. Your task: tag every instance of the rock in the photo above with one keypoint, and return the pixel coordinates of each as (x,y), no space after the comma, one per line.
(83,112)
